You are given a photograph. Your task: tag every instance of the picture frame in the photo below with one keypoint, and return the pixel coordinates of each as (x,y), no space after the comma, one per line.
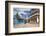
(19,6)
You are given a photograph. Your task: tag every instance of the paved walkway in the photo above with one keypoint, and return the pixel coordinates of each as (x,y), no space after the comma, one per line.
(26,25)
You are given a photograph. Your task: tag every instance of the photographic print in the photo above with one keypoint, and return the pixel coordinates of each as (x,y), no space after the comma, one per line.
(24,17)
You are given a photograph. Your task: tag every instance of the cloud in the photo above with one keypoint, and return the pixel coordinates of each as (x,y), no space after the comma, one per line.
(19,10)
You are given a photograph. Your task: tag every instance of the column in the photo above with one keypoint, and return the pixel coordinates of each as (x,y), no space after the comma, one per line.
(37,19)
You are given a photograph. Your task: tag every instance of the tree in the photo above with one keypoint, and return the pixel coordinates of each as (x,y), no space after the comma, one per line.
(17,15)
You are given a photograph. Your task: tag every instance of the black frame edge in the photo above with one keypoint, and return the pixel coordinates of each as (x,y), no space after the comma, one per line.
(24,2)
(6,18)
(44,17)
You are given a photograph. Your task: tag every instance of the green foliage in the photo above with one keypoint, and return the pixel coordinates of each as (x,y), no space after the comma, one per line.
(17,15)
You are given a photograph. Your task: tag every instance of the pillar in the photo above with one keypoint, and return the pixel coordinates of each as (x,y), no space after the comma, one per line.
(37,19)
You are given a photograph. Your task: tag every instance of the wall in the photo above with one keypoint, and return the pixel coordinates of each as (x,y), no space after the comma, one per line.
(2,18)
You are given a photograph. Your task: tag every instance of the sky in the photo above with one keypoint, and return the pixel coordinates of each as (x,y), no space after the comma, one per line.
(24,11)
